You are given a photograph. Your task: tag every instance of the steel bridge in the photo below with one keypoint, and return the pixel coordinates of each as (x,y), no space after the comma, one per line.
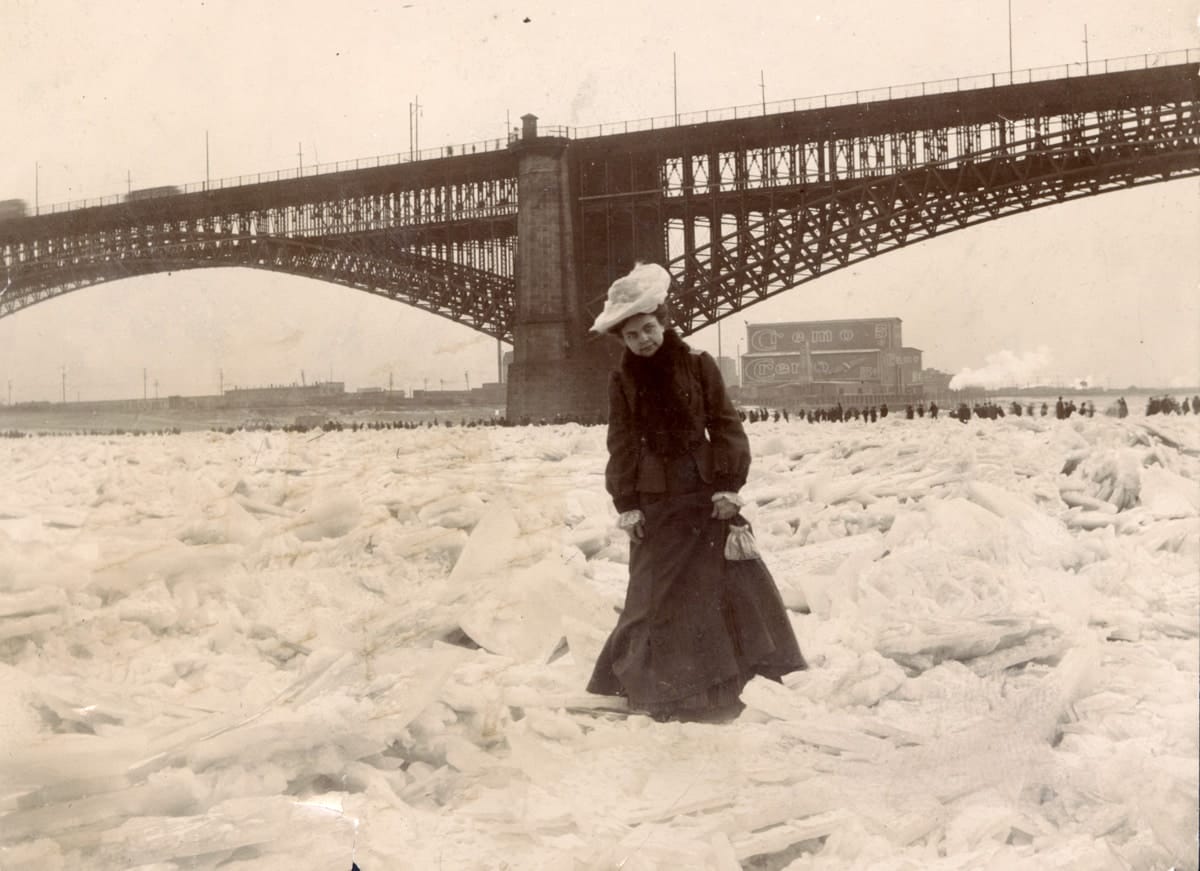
(521,241)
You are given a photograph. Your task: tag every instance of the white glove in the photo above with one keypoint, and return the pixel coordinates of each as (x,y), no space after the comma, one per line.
(632,523)
(726,504)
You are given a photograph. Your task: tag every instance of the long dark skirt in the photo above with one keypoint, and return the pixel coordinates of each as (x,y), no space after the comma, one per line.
(695,627)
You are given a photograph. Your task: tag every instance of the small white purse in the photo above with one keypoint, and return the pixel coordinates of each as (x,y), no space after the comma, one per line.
(740,543)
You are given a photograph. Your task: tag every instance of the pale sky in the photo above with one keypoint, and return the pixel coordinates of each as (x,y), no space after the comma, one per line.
(99,96)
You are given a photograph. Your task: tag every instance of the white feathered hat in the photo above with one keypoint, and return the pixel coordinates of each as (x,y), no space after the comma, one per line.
(639,293)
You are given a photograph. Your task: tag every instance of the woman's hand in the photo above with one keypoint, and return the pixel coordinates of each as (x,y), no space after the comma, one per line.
(633,524)
(726,505)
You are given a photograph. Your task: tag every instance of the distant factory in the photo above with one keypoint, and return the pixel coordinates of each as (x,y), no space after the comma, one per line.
(863,356)
(323,394)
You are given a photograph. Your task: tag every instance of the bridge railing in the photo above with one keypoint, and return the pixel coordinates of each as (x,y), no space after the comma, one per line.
(658,122)
(890,92)
(480,147)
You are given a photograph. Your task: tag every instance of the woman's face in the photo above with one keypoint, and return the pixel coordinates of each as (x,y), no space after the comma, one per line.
(642,335)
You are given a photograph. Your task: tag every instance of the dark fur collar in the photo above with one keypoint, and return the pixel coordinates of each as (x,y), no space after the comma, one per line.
(661,410)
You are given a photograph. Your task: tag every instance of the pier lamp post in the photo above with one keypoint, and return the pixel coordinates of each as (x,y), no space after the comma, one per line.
(1010,51)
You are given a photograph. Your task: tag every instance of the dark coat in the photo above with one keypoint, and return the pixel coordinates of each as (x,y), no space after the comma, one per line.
(717,442)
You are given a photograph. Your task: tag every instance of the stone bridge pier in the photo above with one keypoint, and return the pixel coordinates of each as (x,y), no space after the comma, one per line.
(562,273)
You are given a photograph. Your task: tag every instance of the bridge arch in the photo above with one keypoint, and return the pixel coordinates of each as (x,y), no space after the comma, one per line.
(764,203)
(778,251)
(472,297)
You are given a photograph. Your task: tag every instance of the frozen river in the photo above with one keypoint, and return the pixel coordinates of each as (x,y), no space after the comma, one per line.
(295,651)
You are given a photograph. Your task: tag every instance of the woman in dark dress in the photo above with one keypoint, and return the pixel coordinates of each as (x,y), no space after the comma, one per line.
(696,626)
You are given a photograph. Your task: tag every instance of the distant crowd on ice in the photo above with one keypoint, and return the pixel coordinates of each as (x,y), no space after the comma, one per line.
(1168,405)
(987,410)
(21,434)
(836,413)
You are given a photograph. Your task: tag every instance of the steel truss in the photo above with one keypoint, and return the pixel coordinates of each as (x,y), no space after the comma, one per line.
(446,248)
(437,278)
(740,210)
(766,231)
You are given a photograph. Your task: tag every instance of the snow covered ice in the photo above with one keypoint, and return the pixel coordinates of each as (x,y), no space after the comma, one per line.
(281,651)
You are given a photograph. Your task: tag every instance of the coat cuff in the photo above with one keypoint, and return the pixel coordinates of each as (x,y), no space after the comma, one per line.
(626,503)
(727,483)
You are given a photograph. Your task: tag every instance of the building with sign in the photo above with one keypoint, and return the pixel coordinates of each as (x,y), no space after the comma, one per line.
(831,358)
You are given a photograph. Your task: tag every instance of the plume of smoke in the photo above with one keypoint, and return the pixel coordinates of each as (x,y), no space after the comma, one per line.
(1003,369)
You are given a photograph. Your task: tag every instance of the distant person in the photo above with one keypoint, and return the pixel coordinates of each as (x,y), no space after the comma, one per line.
(883,410)
(933,410)
(1045,409)
(1060,409)
(1185,407)
(908,412)
(699,620)
(1122,408)
(921,409)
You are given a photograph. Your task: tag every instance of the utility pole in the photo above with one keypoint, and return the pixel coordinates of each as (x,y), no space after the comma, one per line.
(675,86)
(64,385)
(1010,63)
(467,379)
(36,190)
(1086,59)
(762,84)
(156,389)
(300,154)
(128,182)
(414,128)
(10,391)
(206,177)
(221,381)
(144,396)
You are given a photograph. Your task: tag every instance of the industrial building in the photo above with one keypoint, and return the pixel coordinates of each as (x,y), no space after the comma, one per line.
(855,357)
